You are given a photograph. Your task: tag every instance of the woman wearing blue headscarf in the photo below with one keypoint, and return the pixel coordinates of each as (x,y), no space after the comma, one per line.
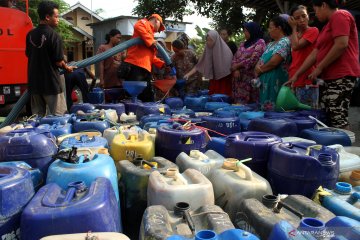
(244,63)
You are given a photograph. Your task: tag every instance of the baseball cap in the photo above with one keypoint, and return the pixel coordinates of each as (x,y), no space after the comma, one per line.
(157,16)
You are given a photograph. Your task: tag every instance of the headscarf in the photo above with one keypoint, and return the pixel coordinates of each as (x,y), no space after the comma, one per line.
(255,33)
(215,63)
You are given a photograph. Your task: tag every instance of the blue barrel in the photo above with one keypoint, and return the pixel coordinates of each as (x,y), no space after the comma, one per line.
(156,125)
(96,96)
(152,118)
(174,102)
(195,120)
(277,126)
(172,140)
(316,113)
(222,112)
(99,125)
(251,115)
(187,113)
(303,122)
(85,107)
(327,136)
(212,106)
(255,145)
(57,129)
(52,119)
(118,107)
(151,108)
(344,228)
(236,108)
(84,142)
(217,144)
(77,210)
(86,169)
(16,190)
(220,98)
(37,177)
(28,145)
(225,126)
(271,114)
(203,92)
(233,234)
(131,106)
(196,103)
(246,117)
(300,168)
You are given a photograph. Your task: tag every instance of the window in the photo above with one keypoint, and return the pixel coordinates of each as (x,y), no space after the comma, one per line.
(69,18)
(85,18)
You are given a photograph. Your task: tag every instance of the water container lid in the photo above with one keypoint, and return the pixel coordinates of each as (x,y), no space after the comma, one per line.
(343,188)
(206,235)
(312,224)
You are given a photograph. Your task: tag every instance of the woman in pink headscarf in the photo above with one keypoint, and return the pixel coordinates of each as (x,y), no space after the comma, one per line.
(215,64)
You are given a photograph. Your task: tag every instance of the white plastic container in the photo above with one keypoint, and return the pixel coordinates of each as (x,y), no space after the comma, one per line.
(235,182)
(131,117)
(191,187)
(353,150)
(204,163)
(296,139)
(348,160)
(83,236)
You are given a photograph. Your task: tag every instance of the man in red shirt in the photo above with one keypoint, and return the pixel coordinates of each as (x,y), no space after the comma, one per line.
(336,56)
(140,58)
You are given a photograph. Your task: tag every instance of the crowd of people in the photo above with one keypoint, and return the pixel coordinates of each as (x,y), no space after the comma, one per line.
(297,55)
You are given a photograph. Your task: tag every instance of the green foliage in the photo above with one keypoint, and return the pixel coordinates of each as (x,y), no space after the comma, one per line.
(225,13)
(63,29)
(176,9)
(199,42)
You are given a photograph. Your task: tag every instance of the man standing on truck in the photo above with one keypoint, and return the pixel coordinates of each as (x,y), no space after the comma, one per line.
(44,50)
(139,59)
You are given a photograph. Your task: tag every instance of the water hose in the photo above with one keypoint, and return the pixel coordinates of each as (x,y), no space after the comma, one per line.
(15,111)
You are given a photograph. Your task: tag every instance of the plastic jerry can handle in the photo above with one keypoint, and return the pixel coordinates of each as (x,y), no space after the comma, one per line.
(281,204)
(236,165)
(84,151)
(246,169)
(255,138)
(287,148)
(74,188)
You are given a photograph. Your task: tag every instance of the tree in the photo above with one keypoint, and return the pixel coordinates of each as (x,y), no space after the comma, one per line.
(63,29)
(225,13)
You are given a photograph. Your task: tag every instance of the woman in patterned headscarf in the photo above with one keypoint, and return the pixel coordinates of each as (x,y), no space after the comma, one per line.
(244,62)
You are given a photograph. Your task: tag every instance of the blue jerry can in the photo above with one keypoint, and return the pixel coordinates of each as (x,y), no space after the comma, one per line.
(79,208)
(16,190)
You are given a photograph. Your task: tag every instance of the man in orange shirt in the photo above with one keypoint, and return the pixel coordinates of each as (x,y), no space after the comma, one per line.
(139,59)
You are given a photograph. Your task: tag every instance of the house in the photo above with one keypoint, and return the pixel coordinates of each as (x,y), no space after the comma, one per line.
(79,17)
(125,24)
